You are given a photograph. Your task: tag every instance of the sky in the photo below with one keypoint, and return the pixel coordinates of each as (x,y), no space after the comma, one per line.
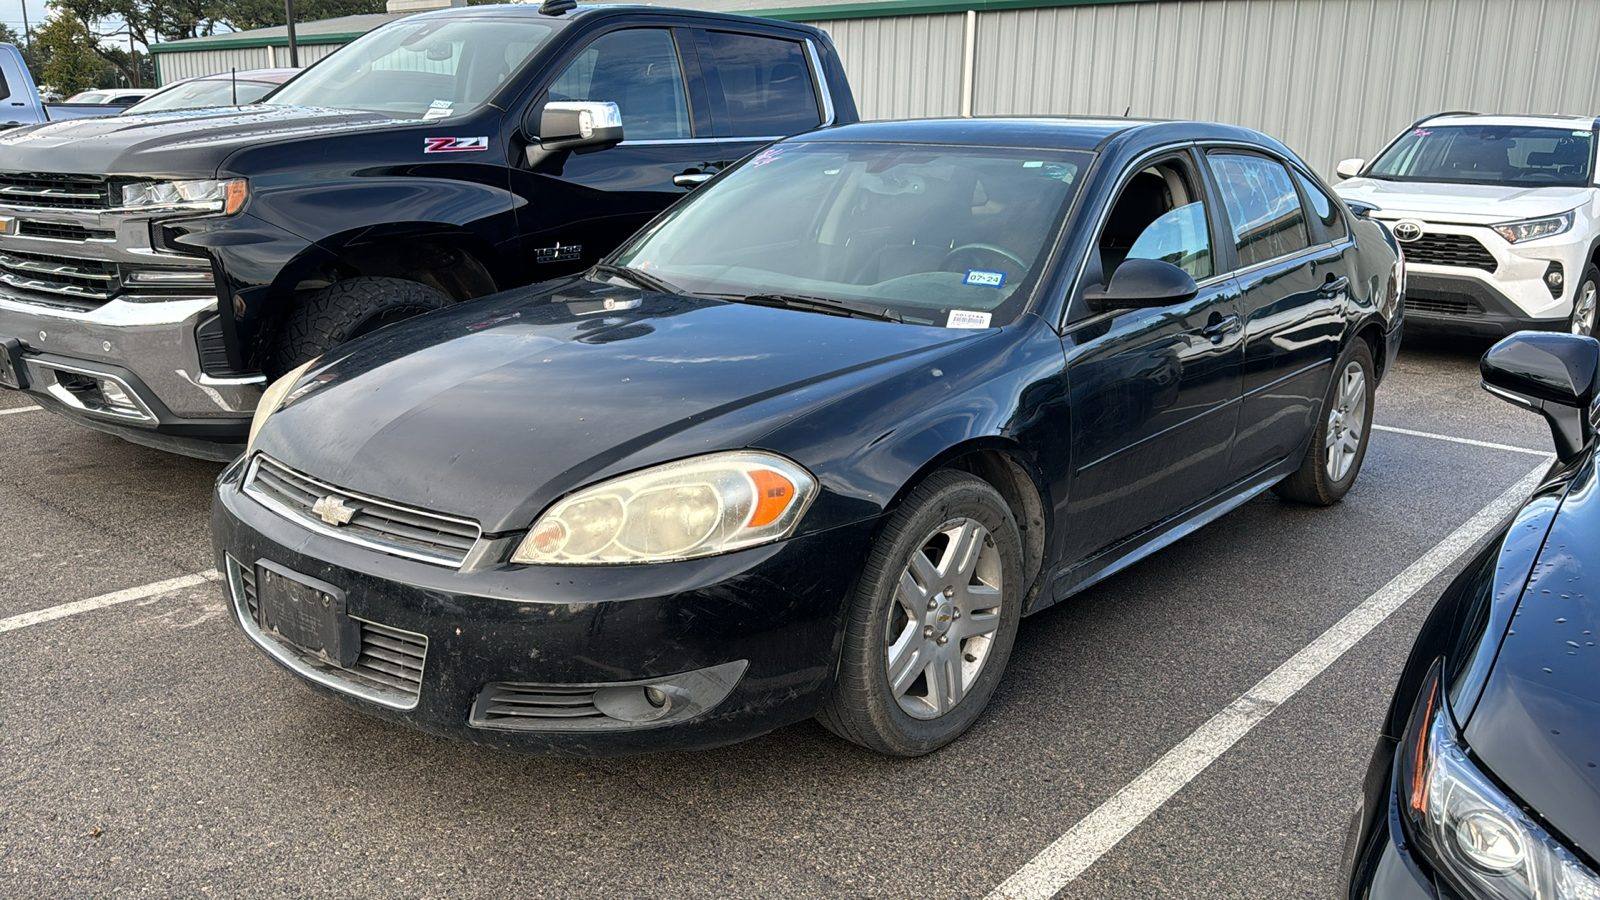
(11,13)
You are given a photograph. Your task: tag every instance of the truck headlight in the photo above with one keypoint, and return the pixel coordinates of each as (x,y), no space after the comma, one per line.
(1478,838)
(273,399)
(226,197)
(695,507)
(1533,229)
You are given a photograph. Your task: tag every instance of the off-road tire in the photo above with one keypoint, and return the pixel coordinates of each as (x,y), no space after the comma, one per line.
(862,707)
(340,312)
(1314,484)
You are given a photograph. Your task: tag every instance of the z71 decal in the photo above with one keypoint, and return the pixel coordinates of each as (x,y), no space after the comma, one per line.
(455,144)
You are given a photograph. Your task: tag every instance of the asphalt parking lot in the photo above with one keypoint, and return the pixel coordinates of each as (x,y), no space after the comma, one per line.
(150,750)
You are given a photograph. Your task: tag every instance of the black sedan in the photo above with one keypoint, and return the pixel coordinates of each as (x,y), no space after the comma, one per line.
(815,440)
(1484,784)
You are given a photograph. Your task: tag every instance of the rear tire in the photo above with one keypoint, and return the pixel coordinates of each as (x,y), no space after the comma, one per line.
(1585,301)
(1339,443)
(932,621)
(345,311)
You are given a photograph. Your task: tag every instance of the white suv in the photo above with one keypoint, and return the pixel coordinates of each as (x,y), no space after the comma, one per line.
(1498,216)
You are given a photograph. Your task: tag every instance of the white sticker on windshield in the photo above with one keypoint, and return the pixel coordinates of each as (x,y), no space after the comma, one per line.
(985,278)
(967,318)
(436,113)
(441,104)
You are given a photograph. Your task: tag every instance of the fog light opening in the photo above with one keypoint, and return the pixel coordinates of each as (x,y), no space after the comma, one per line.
(1555,279)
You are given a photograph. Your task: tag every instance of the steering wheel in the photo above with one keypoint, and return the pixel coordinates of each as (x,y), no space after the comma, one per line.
(987,248)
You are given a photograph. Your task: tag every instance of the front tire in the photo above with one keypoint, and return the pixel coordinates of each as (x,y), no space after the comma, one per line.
(1585,301)
(932,621)
(1339,444)
(346,310)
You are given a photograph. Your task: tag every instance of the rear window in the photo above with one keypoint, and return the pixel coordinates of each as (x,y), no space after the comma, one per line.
(1490,154)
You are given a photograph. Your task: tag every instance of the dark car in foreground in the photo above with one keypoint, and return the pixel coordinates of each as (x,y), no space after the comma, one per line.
(1484,784)
(815,440)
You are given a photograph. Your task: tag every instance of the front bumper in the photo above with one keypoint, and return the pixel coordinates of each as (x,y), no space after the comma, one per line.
(766,621)
(1468,305)
(149,349)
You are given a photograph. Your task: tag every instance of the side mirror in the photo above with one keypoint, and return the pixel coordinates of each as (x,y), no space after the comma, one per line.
(580,127)
(1555,375)
(1141,283)
(1349,168)
(1361,210)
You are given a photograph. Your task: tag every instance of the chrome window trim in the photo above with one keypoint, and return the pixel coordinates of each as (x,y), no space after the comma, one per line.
(294,663)
(705,140)
(828,112)
(322,528)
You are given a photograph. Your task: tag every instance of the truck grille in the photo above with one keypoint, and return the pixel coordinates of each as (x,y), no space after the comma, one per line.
(83,279)
(55,191)
(1459,250)
(57,231)
(379,524)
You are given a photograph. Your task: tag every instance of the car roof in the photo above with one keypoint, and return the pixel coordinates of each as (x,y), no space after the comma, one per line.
(271,76)
(1054,132)
(532,10)
(1584,122)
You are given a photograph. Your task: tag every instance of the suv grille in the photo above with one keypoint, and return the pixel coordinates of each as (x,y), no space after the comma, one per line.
(83,279)
(391,660)
(385,526)
(1438,302)
(1460,250)
(55,191)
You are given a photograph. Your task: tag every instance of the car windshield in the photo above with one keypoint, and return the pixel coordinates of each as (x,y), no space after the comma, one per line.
(941,235)
(201,94)
(419,68)
(1490,154)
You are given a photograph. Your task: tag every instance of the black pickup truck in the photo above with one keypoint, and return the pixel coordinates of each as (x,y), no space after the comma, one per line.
(156,270)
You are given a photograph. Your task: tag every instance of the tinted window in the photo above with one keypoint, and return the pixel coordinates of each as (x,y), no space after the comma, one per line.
(4,91)
(1262,205)
(638,71)
(1323,208)
(766,83)
(1489,154)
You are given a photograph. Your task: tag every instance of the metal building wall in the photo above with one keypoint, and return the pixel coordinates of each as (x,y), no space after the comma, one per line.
(1331,78)
(175,66)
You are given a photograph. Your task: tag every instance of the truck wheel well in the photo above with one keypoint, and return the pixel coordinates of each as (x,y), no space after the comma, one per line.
(449,268)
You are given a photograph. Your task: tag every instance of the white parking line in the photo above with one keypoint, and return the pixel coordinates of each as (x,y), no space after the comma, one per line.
(104,600)
(1460,440)
(20,409)
(1069,855)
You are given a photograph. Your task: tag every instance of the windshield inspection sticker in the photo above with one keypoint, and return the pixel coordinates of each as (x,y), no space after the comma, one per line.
(985,278)
(455,144)
(441,104)
(437,113)
(967,318)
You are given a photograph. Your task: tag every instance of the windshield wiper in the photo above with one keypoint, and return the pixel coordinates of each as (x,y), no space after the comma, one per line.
(639,278)
(826,305)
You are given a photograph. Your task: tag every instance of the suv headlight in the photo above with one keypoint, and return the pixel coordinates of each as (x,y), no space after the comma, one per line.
(696,507)
(226,197)
(1477,838)
(1533,229)
(274,398)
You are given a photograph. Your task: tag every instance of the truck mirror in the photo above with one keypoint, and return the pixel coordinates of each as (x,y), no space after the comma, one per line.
(581,127)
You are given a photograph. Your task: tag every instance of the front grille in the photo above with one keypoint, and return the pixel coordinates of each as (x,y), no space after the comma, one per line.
(81,279)
(389,668)
(1440,303)
(512,705)
(55,191)
(1459,250)
(58,231)
(391,528)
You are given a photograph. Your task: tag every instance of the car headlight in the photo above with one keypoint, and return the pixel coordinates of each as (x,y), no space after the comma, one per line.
(226,197)
(1532,229)
(273,399)
(1479,839)
(696,507)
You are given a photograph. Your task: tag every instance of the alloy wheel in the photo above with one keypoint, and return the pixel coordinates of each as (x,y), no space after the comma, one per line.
(941,626)
(1583,309)
(1346,421)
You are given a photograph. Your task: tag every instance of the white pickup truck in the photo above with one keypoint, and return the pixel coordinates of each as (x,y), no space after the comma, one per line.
(19,99)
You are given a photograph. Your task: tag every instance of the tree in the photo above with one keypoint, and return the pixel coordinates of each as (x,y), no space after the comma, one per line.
(72,64)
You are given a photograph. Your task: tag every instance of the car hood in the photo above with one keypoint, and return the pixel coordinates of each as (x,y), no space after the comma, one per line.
(1537,724)
(493,409)
(181,143)
(1477,204)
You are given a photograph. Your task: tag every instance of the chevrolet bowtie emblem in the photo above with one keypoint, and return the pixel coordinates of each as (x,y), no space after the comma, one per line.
(333,511)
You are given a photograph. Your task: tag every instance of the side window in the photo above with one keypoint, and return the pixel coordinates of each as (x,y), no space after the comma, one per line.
(637,70)
(1323,207)
(5,92)
(766,83)
(1160,214)
(1263,206)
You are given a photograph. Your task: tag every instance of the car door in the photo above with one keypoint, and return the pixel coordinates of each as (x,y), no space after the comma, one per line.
(1154,392)
(1294,286)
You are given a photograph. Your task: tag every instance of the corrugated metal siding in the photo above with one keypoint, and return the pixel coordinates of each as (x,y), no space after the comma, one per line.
(903,67)
(1331,78)
(176,66)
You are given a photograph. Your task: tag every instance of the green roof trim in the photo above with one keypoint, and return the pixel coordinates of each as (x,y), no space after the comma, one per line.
(223,42)
(887,8)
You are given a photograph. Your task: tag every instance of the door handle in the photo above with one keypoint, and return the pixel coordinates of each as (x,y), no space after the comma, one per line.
(691,179)
(1219,329)
(1329,288)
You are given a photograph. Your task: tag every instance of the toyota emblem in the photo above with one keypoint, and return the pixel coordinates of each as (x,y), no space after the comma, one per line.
(1407,230)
